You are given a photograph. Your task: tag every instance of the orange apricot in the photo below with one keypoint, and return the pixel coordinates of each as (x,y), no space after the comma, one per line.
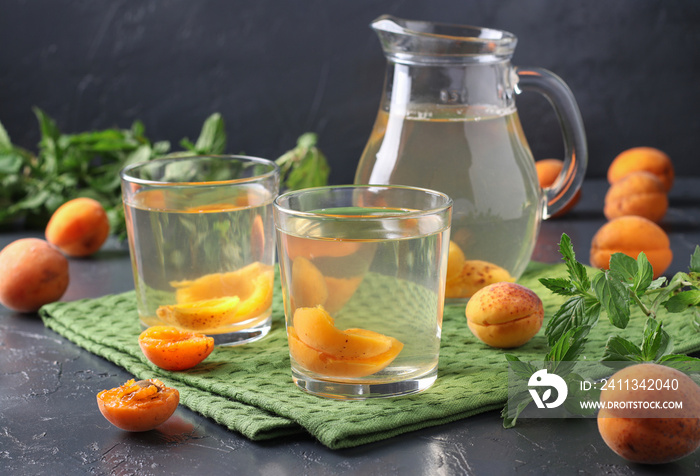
(474,275)
(504,315)
(637,424)
(455,260)
(639,193)
(642,158)
(79,227)
(138,406)
(548,171)
(173,349)
(308,285)
(631,235)
(316,328)
(32,274)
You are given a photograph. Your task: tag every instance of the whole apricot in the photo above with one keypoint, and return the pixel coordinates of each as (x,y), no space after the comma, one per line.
(138,406)
(640,419)
(79,227)
(548,171)
(32,274)
(455,260)
(632,235)
(639,193)
(646,159)
(504,315)
(474,275)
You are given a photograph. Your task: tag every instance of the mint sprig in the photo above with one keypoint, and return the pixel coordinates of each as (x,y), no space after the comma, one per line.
(627,285)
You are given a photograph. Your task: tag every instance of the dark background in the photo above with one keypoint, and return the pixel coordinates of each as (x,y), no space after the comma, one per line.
(276,69)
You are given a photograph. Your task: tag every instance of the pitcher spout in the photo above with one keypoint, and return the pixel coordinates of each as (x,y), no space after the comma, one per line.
(409,41)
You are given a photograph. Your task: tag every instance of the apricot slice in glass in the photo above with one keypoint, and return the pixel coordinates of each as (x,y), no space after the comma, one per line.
(200,315)
(174,349)
(216,285)
(331,366)
(138,406)
(316,328)
(340,290)
(252,285)
(308,285)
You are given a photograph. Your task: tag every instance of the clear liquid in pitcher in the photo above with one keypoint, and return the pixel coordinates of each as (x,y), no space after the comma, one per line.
(480,158)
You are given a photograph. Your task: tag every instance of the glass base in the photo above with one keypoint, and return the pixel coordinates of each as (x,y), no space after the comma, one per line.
(244,336)
(238,337)
(363,391)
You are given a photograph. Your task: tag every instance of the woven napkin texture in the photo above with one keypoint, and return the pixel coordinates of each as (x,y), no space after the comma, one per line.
(249,388)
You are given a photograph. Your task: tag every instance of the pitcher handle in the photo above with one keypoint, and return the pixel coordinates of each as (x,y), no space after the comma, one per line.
(562,99)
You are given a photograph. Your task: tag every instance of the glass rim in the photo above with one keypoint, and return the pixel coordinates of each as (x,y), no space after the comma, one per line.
(125,176)
(403,215)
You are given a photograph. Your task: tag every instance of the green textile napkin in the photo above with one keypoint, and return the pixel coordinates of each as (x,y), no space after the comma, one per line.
(249,388)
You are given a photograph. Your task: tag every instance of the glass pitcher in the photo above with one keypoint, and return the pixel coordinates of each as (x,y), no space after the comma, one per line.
(448,121)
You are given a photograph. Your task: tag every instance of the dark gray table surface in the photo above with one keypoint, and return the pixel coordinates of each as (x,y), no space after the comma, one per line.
(50,424)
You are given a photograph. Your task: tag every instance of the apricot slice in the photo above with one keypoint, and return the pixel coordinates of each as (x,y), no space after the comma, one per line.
(252,285)
(173,349)
(316,328)
(138,406)
(308,285)
(340,290)
(474,275)
(239,283)
(331,366)
(310,249)
(200,315)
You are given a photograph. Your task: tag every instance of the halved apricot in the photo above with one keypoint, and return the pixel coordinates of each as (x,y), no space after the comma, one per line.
(138,406)
(171,348)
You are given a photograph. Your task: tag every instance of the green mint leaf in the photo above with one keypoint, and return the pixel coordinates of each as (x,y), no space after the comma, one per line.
(683,300)
(644,276)
(658,283)
(614,297)
(625,267)
(565,351)
(304,166)
(575,312)
(520,401)
(577,272)
(684,363)
(695,260)
(656,342)
(522,370)
(576,396)
(212,138)
(561,286)
(5,142)
(618,349)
